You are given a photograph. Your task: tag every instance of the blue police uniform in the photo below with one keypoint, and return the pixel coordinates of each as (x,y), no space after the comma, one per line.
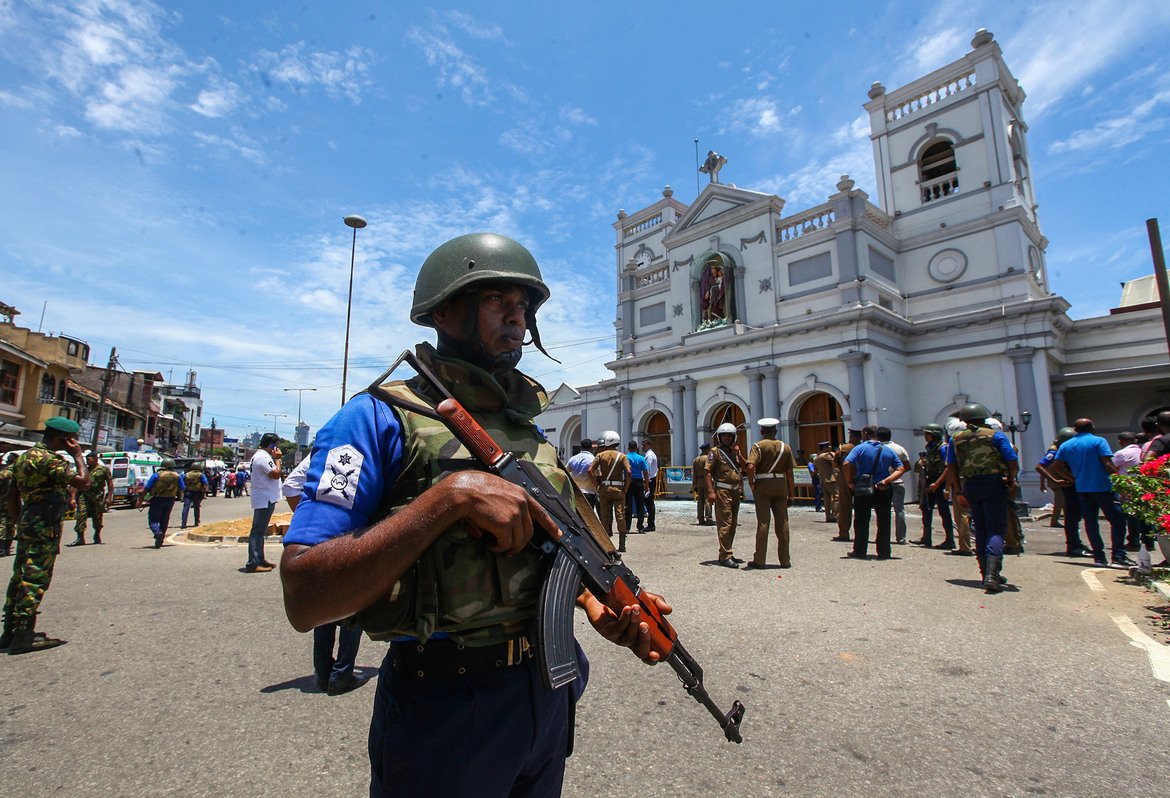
(158,512)
(636,495)
(987,496)
(500,732)
(871,457)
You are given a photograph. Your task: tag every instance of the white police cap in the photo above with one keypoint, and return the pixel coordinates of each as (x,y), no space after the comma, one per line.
(768,422)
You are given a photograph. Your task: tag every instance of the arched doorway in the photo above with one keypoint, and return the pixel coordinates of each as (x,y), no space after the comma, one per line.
(818,420)
(729,413)
(657,429)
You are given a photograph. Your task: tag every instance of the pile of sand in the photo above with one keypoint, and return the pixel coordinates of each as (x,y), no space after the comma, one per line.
(240,527)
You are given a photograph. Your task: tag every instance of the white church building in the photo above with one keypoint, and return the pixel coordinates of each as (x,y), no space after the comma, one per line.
(894,310)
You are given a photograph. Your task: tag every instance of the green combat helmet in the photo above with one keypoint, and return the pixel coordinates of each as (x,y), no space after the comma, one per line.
(1064,434)
(168,463)
(471,260)
(974,413)
(934,429)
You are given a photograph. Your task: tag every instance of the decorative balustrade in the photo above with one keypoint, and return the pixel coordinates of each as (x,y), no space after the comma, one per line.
(879,218)
(659,275)
(930,97)
(642,226)
(940,187)
(818,218)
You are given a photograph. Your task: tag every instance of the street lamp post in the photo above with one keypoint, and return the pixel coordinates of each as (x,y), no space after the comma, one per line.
(357,223)
(275,416)
(300,393)
(1011,426)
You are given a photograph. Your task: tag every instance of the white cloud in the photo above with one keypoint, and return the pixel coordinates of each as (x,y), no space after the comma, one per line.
(812,184)
(217,101)
(1065,49)
(66,132)
(339,73)
(14,101)
(758,116)
(570,114)
(477,30)
(937,47)
(456,68)
(239,143)
(1131,126)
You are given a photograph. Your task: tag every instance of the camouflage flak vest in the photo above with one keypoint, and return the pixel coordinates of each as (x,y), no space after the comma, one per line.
(934,461)
(99,477)
(459,586)
(976,453)
(194,480)
(166,486)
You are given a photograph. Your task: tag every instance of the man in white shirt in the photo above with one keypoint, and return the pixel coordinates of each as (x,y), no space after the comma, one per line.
(1127,457)
(897,487)
(266,477)
(652,478)
(579,467)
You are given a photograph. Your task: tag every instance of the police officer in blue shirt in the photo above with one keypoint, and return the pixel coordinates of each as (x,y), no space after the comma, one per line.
(879,466)
(636,492)
(1088,459)
(398,525)
(986,464)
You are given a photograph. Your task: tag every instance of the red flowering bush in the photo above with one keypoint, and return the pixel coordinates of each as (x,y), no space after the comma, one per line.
(1145,492)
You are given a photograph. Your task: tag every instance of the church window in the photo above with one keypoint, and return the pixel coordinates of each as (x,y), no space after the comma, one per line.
(938,173)
(9,381)
(48,389)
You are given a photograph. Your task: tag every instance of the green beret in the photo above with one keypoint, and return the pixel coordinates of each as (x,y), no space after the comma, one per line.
(62,424)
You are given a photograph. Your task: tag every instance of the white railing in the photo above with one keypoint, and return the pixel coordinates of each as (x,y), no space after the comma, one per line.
(642,226)
(818,218)
(930,97)
(659,275)
(940,187)
(879,218)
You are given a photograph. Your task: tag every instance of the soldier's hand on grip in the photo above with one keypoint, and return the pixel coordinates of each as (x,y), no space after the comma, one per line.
(493,506)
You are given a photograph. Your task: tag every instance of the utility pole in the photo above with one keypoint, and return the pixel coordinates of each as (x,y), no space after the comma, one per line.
(106,380)
(1155,237)
(275,416)
(300,393)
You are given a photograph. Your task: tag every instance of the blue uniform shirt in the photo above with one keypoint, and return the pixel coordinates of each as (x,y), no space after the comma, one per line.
(1082,454)
(871,457)
(356,458)
(637,465)
(154,478)
(999,440)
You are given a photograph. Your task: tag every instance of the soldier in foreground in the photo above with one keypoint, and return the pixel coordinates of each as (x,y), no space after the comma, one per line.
(93,502)
(41,480)
(398,525)
(7,522)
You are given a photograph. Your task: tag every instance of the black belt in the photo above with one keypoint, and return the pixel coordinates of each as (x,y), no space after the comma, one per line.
(444,658)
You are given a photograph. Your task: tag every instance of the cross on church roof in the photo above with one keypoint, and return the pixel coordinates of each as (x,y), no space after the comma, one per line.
(712,165)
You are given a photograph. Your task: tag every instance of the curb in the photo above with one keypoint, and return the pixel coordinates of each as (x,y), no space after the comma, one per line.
(188,537)
(1162,587)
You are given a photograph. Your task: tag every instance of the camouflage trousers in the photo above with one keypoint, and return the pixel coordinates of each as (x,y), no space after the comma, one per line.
(89,508)
(32,571)
(7,528)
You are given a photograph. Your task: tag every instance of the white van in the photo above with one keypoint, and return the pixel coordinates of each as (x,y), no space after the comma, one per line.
(129,472)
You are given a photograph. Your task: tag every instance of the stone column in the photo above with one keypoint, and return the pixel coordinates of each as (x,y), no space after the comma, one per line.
(740,296)
(855,363)
(626,415)
(585,416)
(678,429)
(1059,408)
(690,420)
(771,390)
(1031,440)
(755,396)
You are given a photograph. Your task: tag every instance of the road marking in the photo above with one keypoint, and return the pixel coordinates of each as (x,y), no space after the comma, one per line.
(1159,654)
(1090,577)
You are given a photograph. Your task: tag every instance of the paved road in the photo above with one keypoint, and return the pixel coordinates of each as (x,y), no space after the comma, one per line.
(183,678)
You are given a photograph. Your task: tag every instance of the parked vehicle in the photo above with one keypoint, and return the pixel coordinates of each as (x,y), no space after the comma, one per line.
(129,471)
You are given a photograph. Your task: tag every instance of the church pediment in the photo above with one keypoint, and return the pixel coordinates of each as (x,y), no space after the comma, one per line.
(720,201)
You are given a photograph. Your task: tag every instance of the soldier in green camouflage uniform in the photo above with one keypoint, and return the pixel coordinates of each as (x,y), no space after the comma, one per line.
(39,492)
(7,522)
(93,502)
(400,525)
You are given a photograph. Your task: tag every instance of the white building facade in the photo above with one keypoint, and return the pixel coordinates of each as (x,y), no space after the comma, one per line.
(852,313)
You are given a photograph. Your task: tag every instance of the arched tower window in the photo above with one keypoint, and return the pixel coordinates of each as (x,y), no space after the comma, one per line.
(938,173)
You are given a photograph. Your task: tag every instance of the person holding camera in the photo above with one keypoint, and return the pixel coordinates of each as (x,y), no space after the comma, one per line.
(870,471)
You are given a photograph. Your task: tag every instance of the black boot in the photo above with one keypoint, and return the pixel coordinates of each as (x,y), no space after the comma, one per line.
(991,577)
(6,548)
(6,637)
(949,541)
(25,640)
(97,537)
(621,541)
(78,541)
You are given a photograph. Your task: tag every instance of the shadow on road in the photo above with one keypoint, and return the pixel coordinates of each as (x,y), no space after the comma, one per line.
(978,583)
(308,684)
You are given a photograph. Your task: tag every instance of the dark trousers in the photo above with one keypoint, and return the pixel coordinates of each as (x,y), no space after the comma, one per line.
(988,499)
(190,500)
(1106,502)
(650,509)
(880,502)
(325,666)
(635,503)
(260,518)
(818,495)
(499,733)
(158,514)
(592,499)
(1072,518)
(936,500)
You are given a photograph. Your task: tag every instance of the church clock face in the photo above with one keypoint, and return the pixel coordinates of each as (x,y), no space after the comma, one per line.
(642,259)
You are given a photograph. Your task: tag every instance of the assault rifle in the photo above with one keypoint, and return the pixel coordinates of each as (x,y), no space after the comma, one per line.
(579,557)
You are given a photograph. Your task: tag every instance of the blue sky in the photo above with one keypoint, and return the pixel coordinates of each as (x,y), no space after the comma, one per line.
(175,174)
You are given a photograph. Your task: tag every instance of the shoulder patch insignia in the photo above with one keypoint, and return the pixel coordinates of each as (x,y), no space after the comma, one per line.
(339,480)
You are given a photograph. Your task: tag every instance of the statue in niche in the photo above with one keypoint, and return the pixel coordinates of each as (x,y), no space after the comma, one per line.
(713,293)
